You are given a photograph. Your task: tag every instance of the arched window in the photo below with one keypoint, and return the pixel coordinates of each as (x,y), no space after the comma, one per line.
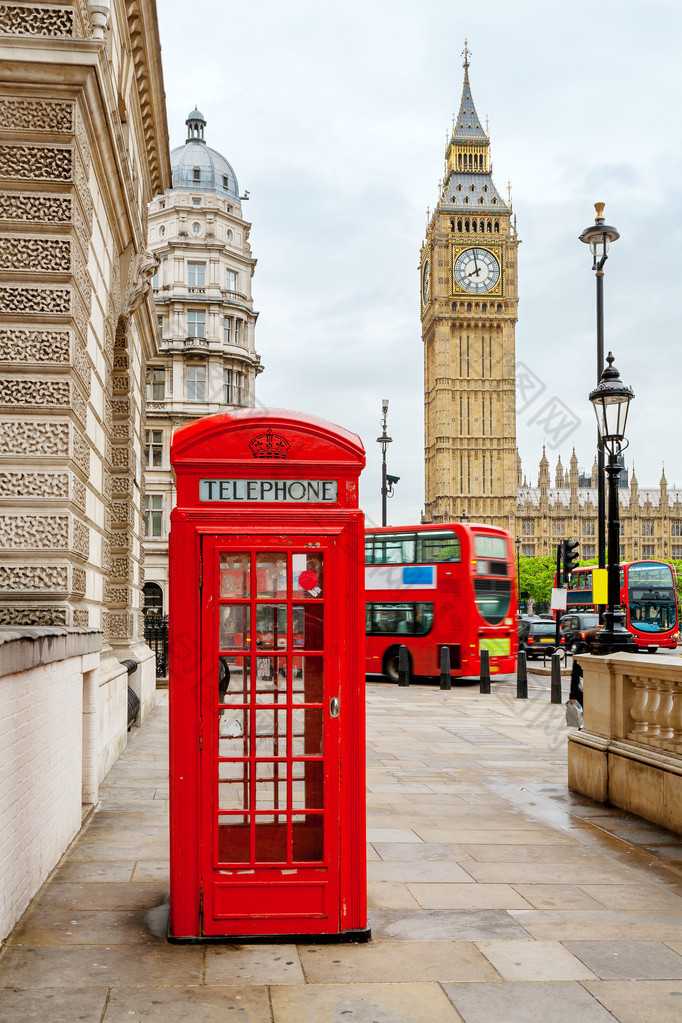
(466,198)
(482,226)
(497,227)
(475,162)
(459,225)
(484,307)
(490,226)
(468,307)
(485,188)
(153,599)
(481,201)
(474,225)
(472,188)
(459,162)
(452,225)
(459,187)
(499,307)
(466,225)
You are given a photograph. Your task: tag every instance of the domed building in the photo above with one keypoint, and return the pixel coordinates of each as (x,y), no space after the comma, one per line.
(207,359)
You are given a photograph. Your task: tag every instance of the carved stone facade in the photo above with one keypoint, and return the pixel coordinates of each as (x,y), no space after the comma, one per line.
(207,360)
(566,508)
(83,150)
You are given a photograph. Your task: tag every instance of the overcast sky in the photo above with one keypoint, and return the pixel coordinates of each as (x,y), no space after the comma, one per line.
(334,118)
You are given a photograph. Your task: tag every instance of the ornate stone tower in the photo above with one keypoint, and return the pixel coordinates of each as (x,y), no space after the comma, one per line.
(469,299)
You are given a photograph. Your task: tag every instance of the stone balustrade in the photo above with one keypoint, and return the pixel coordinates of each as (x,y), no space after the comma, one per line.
(629,752)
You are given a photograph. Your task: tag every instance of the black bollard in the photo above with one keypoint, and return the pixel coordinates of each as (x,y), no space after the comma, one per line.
(521,677)
(556,677)
(445,676)
(403,666)
(485,671)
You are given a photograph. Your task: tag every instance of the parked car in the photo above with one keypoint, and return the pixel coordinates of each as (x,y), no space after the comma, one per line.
(536,636)
(573,629)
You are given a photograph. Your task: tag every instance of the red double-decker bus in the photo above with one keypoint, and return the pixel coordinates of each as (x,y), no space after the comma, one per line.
(648,596)
(440,585)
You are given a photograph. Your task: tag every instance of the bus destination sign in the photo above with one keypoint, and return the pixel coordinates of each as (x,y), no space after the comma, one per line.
(279,491)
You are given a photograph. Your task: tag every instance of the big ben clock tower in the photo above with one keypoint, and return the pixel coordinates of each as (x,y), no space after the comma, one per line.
(469,299)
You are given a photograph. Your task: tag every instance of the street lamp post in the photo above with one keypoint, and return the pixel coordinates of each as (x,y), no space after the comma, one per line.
(598,236)
(611,401)
(384,441)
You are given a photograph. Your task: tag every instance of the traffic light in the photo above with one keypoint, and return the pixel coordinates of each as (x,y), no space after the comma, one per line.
(570,556)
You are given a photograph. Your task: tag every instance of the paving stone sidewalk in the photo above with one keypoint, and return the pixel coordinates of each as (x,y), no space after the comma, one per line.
(494,895)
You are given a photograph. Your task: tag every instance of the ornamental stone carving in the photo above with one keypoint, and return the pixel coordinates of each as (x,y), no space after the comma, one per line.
(36,114)
(106,554)
(33,577)
(39,615)
(140,279)
(121,408)
(20,19)
(79,493)
(43,485)
(20,391)
(122,486)
(34,532)
(81,618)
(35,300)
(34,345)
(123,513)
(118,596)
(78,578)
(36,163)
(81,539)
(44,209)
(52,255)
(121,431)
(81,452)
(117,625)
(122,568)
(24,438)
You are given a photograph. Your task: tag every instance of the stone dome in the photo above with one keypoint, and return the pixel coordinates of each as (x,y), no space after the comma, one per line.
(199,168)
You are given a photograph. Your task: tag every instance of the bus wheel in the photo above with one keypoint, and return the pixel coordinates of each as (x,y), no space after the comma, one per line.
(391,664)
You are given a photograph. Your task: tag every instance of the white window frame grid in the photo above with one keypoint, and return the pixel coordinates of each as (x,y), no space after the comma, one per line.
(156,385)
(195,382)
(153,449)
(196,323)
(153,516)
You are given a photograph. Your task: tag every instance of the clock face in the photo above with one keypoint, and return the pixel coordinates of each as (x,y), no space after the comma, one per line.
(476,270)
(426,282)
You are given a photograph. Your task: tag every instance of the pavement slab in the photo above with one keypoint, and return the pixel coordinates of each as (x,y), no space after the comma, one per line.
(526,1003)
(649,1001)
(396,962)
(48,1005)
(534,961)
(362,1003)
(253,964)
(628,960)
(247,1004)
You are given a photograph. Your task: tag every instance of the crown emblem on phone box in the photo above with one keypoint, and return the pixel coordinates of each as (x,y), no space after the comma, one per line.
(269,445)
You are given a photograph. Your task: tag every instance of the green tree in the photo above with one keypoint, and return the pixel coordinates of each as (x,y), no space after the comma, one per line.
(536,577)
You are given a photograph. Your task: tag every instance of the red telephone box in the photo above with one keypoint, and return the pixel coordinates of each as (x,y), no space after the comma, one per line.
(267,744)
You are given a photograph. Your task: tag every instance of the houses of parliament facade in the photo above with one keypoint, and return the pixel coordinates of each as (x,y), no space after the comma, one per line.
(469,303)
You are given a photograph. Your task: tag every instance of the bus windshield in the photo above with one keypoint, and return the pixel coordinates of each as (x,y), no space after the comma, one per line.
(652,604)
(493,597)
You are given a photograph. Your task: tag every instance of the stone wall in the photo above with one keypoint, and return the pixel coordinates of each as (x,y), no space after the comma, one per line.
(629,752)
(49,756)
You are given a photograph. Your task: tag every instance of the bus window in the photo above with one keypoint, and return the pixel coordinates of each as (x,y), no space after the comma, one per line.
(399,619)
(394,549)
(435,547)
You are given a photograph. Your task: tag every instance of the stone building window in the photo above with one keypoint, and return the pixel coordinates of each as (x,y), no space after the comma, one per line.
(647,529)
(227,330)
(558,527)
(234,387)
(588,529)
(156,383)
(231,280)
(153,516)
(153,599)
(528,528)
(648,550)
(237,331)
(677,552)
(676,528)
(528,550)
(196,275)
(153,449)
(589,551)
(196,323)
(195,383)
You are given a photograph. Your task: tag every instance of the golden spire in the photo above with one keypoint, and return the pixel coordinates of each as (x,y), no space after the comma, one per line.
(466,53)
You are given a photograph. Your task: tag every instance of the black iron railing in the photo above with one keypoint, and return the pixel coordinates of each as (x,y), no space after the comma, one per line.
(156,637)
